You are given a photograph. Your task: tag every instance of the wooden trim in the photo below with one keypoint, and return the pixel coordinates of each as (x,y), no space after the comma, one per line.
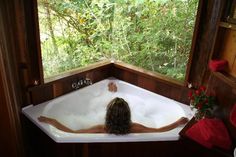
(233,10)
(221,12)
(211,14)
(32,52)
(154,82)
(227,25)
(46,80)
(119,64)
(147,73)
(77,71)
(11,137)
(216,36)
(37,39)
(10,115)
(9,122)
(48,91)
(194,41)
(230,80)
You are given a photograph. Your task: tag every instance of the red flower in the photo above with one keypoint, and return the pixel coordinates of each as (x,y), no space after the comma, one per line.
(202,88)
(190,94)
(197,92)
(199,106)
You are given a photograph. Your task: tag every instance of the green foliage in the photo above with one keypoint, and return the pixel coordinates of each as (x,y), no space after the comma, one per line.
(153,34)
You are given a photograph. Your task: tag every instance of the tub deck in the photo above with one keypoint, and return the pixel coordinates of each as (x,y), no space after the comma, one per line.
(145,109)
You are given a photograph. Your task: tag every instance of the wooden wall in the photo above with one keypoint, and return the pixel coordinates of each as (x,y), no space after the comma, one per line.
(53,89)
(164,86)
(223,83)
(211,42)
(211,13)
(154,82)
(228,51)
(225,91)
(10,96)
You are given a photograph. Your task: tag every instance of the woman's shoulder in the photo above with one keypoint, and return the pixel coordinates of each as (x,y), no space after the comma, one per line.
(137,128)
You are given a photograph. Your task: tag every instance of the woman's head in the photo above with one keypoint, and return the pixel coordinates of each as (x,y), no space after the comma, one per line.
(118,117)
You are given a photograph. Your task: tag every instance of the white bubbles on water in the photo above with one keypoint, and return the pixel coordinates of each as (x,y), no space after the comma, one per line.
(83,110)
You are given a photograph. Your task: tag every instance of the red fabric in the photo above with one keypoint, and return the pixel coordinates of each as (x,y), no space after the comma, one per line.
(196,134)
(217,65)
(210,132)
(233,115)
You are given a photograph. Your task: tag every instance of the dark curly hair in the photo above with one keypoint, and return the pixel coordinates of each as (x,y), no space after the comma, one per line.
(118,117)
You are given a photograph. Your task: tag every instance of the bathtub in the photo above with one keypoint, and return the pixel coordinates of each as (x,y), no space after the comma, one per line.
(86,107)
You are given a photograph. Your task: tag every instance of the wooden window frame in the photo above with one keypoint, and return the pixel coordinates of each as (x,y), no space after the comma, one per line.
(34,40)
(230,12)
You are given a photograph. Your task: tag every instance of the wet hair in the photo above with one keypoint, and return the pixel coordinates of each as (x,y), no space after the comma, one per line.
(118,117)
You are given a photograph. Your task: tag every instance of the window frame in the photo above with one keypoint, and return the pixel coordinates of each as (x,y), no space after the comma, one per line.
(34,39)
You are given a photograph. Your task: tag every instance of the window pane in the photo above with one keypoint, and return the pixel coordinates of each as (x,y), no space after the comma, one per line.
(152,34)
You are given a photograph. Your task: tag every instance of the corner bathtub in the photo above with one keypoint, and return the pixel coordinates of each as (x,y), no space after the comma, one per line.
(86,107)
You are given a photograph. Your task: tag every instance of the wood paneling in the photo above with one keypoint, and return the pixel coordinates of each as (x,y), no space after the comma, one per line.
(32,53)
(228,50)
(151,81)
(225,47)
(10,136)
(233,71)
(181,148)
(172,88)
(194,41)
(62,86)
(40,145)
(156,83)
(208,26)
(226,98)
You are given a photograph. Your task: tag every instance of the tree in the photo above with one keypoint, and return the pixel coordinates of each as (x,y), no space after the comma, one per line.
(153,34)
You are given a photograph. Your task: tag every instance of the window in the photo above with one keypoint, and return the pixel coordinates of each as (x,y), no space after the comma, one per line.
(152,34)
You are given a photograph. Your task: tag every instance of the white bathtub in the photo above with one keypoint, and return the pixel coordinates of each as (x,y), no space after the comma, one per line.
(86,107)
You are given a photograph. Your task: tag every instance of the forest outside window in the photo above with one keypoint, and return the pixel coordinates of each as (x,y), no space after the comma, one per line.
(153,34)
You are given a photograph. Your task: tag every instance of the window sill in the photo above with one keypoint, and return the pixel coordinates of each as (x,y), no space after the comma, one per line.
(148,74)
(117,64)
(77,71)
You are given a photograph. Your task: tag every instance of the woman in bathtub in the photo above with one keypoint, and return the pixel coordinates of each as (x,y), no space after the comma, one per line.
(117,121)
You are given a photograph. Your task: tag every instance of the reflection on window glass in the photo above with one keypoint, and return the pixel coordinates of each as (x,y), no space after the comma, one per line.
(152,34)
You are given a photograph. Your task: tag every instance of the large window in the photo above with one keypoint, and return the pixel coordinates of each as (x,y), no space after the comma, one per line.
(152,34)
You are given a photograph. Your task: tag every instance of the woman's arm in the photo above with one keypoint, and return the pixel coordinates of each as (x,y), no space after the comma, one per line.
(58,125)
(139,128)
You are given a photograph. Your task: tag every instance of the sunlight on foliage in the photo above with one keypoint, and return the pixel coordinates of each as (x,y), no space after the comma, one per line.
(152,34)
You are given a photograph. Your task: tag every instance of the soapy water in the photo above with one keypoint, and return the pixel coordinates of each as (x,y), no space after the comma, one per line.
(89,109)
